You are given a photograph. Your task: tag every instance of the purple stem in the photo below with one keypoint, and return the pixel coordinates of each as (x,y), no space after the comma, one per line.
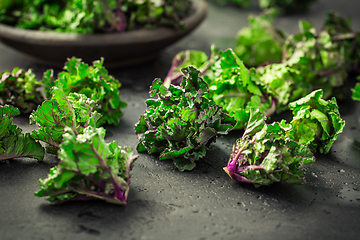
(122,25)
(171,77)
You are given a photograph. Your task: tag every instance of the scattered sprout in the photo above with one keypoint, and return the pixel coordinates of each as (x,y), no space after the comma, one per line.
(316,122)
(92,81)
(20,89)
(89,168)
(182,123)
(260,42)
(236,89)
(74,111)
(264,154)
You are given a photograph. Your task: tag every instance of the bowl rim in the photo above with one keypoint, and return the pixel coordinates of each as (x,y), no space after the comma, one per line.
(98,39)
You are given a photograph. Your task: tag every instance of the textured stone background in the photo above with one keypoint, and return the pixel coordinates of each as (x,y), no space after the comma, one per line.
(205,203)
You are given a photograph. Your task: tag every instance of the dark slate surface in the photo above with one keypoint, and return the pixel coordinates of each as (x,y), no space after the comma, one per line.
(205,203)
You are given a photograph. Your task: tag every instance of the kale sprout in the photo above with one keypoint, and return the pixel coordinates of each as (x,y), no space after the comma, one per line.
(182,123)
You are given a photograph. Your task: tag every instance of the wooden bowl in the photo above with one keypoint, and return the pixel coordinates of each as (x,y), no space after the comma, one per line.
(119,49)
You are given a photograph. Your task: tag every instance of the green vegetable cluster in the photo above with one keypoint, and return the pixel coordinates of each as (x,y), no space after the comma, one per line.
(74,111)
(318,58)
(93,16)
(89,168)
(20,89)
(260,42)
(313,61)
(268,153)
(309,61)
(264,154)
(237,89)
(316,122)
(232,85)
(92,81)
(193,107)
(182,123)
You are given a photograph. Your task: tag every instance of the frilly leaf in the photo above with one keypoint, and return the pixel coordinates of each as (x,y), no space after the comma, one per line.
(92,81)
(182,122)
(89,168)
(316,122)
(14,143)
(264,154)
(74,111)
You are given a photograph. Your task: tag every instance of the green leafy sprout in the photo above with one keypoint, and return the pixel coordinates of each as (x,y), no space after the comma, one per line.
(237,89)
(264,154)
(232,85)
(268,153)
(89,169)
(92,81)
(74,111)
(318,58)
(313,61)
(260,42)
(94,16)
(182,123)
(316,122)
(20,89)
